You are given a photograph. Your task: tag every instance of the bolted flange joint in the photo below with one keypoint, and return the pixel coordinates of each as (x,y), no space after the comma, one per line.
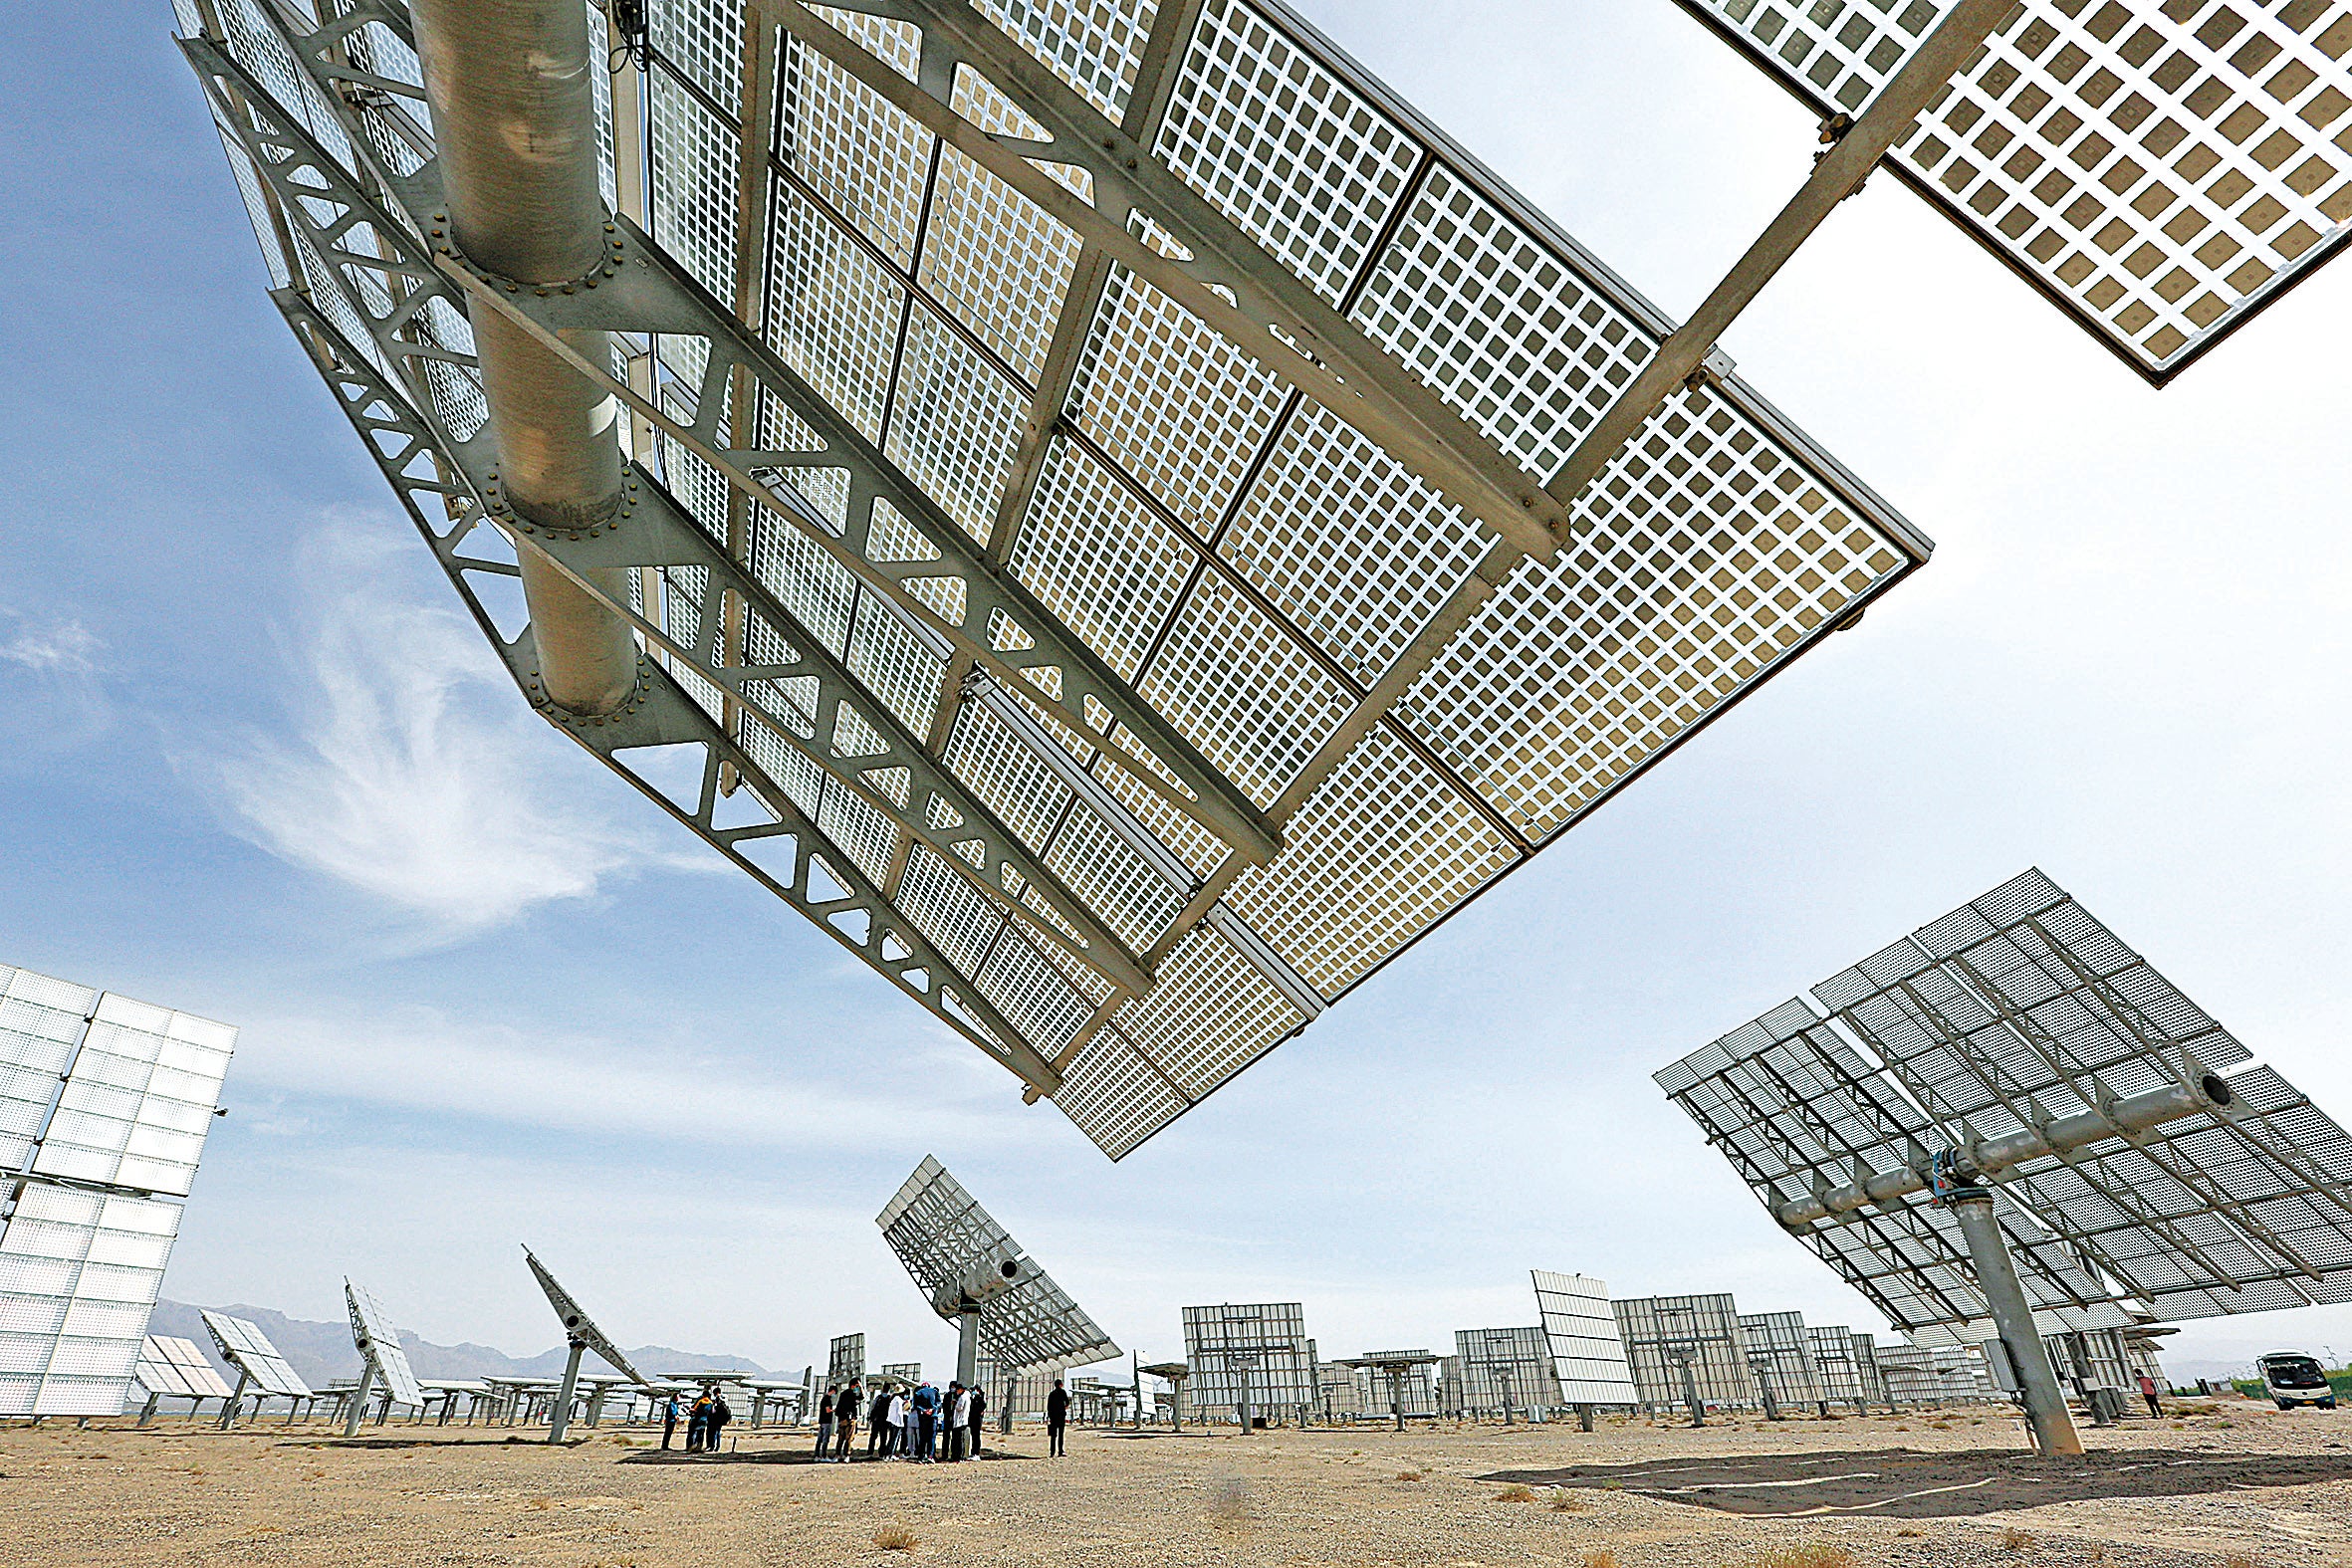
(579,723)
(444,243)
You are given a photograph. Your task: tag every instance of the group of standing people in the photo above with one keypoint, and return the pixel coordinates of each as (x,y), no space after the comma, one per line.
(922,1425)
(706,1420)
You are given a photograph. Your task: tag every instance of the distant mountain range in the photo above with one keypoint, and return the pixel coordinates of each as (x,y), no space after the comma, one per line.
(324,1351)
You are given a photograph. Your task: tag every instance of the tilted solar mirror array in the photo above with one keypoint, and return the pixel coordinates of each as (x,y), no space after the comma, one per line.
(105,1104)
(173,1367)
(1587,1356)
(2016,1012)
(1506,1369)
(1781,1353)
(1663,1335)
(845,1359)
(942,1236)
(1088,523)
(2161,170)
(246,1348)
(380,1347)
(578,1327)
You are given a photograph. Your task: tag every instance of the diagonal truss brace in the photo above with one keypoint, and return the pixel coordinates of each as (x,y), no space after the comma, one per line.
(652,530)
(785,854)
(1000,627)
(1227,280)
(649,295)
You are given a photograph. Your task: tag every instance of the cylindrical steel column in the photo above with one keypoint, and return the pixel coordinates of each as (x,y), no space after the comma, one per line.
(356,1410)
(560,1412)
(968,1347)
(2012,1319)
(510,88)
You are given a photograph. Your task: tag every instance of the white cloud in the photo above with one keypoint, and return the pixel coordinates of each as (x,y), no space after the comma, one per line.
(414,773)
(59,647)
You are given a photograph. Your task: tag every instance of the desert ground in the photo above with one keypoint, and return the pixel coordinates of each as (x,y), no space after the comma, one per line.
(2227,1484)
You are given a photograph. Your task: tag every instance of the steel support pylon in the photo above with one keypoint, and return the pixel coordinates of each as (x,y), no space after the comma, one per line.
(2012,1319)
(356,1410)
(968,1347)
(559,1415)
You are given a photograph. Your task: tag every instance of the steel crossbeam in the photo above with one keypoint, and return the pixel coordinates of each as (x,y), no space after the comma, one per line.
(644,293)
(1225,279)
(825,886)
(652,530)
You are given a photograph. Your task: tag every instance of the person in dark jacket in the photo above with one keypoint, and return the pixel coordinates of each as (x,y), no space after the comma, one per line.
(721,1414)
(951,1424)
(926,1422)
(1057,1419)
(825,1424)
(877,1426)
(845,1419)
(698,1420)
(669,1418)
(979,1409)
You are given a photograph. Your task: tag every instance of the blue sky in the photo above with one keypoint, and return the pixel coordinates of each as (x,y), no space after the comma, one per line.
(255,767)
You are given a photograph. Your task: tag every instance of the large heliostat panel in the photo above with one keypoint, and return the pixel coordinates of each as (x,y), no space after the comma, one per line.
(940,1232)
(115,1096)
(577,1325)
(2020,1008)
(846,1362)
(245,1347)
(1587,1356)
(379,1344)
(2159,169)
(1848,1362)
(1780,1349)
(1291,570)
(1504,1367)
(1258,1350)
(175,1367)
(1663,1333)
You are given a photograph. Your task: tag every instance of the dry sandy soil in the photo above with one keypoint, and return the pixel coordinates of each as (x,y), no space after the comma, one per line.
(2242,1486)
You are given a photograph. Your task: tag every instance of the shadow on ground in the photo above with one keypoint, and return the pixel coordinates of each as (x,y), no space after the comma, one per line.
(793,1455)
(1900,1483)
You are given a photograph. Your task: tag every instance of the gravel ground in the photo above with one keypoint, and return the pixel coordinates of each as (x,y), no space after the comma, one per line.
(2244,1496)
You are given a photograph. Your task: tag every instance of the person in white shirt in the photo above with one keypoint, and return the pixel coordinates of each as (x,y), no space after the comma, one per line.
(960,1423)
(903,1417)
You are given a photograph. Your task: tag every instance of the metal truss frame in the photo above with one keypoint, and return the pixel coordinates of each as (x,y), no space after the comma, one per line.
(802,701)
(577,1325)
(1225,279)
(940,1232)
(826,887)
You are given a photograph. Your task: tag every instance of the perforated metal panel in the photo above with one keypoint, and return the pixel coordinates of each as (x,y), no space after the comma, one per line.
(2161,168)
(1365,704)
(1580,1333)
(245,1347)
(2015,1009)
(1253,1353)
(942,1234)
(1662,1334)
(379,1344)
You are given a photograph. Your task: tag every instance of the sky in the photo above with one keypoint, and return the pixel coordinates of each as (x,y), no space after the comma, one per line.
(254,765)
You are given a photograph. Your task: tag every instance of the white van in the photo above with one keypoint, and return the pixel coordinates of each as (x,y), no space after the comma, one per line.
(2292,1378)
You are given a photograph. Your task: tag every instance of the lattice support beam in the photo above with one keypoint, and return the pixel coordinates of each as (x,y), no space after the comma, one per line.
(785,854)
(1225,279)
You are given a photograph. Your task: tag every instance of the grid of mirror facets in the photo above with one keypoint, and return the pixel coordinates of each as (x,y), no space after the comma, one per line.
(1586,1355)
(79,1274)
(1242,561)
(941,1233)
(1504,1367)
(1664,1334)
(1778,1348)
(172,1366)
(1257,1352)
(2159,165)
(380,1342)
(245,1347)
